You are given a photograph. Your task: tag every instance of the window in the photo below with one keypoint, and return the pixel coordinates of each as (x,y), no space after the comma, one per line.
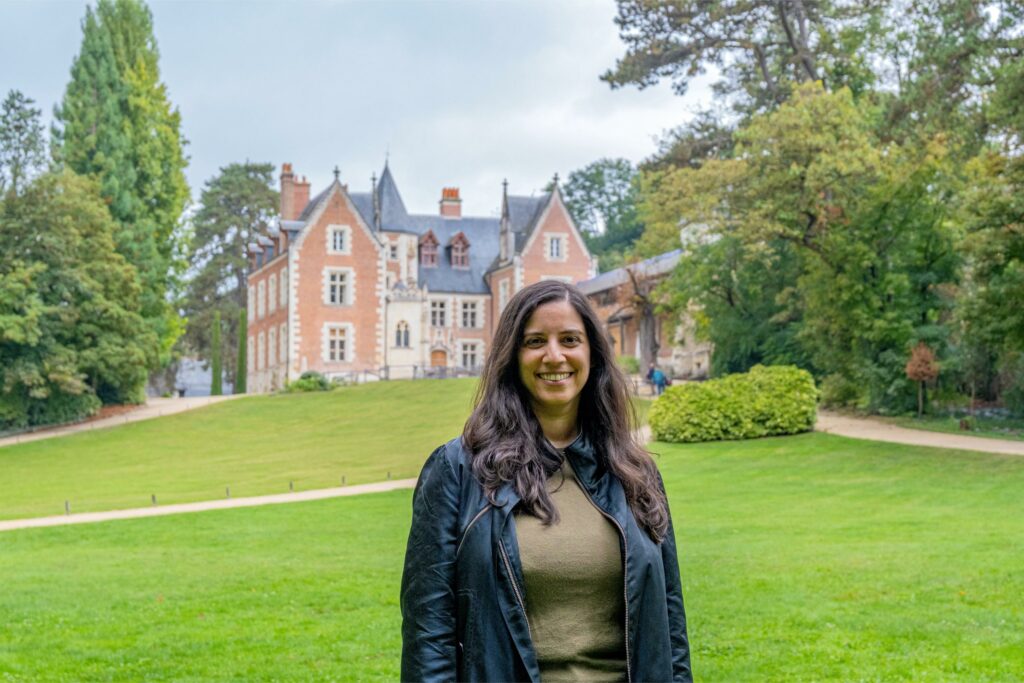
(250,354)
(460,254)
(261,299)
(470,355)
(437,313)
(337,341)
(338,286)
(261,352)
(339,239)
(272,347)
(502,295)
(393,252)
(469,314)
(402,334)
(284,287)
(252,305)
(428,250)
(554,248)
(282,339)
(272,294)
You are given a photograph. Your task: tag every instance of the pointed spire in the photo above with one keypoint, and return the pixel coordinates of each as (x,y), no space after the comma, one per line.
(555,180)
(376,200)
(337,172)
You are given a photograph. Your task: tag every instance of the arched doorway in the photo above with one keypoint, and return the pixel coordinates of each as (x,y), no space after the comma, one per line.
(438,358)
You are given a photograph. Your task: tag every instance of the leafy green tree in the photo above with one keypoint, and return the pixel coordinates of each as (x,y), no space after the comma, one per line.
(216,385)
(116,122)
(71,334)
(236,205)
(601,197)
(22,145)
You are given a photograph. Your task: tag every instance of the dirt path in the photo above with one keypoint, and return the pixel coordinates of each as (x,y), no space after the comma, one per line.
(876,430)
(154,407)
(252,501)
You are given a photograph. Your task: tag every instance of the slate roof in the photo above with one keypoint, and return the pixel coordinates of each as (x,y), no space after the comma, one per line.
(656,265)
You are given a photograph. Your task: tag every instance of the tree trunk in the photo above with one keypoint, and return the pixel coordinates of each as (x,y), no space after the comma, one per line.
(647,328)
(920,399)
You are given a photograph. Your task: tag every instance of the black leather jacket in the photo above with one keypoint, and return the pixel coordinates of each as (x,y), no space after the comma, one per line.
(463,608)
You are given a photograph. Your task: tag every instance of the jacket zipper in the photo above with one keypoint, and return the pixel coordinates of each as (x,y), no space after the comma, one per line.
(470,526)
(625,555)
(515,586)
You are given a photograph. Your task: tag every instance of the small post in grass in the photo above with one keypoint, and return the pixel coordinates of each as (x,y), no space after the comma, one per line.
(343,480)
(291,486)
(227,491)
(152,497)
(67,507)
(389,475)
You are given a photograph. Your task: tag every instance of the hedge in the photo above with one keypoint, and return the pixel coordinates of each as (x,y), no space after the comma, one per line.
(766,401)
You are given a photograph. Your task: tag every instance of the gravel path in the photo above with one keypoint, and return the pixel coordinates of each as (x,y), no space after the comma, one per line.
(876,430)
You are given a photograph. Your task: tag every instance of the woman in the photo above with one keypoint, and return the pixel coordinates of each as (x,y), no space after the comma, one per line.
(541,545)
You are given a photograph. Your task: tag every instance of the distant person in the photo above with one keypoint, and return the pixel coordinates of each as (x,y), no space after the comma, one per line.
(541,545)
(660,381)
(650,377)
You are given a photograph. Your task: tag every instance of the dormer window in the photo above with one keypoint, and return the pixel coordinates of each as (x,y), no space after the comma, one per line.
(428,250)
(460,251)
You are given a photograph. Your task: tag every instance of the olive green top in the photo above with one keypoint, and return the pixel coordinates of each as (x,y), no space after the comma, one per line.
(575,597)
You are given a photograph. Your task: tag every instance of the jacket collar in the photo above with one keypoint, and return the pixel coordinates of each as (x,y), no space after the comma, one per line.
(585,461)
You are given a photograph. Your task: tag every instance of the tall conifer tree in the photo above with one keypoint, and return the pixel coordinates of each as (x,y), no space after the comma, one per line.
(116,123)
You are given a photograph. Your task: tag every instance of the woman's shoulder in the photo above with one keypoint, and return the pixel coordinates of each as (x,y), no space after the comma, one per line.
(452,454)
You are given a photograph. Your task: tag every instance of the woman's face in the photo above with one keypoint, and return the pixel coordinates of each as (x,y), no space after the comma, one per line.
(554,358)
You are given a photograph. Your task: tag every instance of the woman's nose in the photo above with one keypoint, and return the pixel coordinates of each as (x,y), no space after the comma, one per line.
(553,352)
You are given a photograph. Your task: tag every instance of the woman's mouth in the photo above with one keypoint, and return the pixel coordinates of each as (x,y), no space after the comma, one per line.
(554,376)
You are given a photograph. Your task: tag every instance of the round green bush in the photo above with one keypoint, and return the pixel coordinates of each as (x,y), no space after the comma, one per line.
(766,401)
(629,364)
(309,381)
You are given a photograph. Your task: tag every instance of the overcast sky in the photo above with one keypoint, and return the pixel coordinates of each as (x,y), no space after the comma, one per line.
(459,93)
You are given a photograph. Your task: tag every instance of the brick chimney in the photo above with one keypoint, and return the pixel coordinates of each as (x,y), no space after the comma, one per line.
(451,205)
(294,193)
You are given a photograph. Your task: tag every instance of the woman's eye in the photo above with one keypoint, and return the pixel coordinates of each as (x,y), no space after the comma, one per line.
(534,342)
(571,341)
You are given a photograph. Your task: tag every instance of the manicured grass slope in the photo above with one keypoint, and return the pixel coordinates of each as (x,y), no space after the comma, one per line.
(804,558)
(255,445)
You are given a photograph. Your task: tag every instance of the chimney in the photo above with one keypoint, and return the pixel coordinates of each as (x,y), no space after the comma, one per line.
(294,193)
(451,205)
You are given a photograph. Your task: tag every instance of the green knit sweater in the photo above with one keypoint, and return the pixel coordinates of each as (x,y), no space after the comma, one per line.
(574,587)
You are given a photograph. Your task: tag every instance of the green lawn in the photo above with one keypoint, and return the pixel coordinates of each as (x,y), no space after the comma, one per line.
(992,428)
(804,558)
(255,445)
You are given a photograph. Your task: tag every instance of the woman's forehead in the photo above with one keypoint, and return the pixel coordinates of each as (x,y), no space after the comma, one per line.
(554,316)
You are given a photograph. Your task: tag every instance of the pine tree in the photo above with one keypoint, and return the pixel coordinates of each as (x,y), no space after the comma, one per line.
(116,123)
(216,388)
(240,358)
(22,151)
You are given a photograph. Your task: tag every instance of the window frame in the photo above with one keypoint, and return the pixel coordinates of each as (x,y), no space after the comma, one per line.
(346,239)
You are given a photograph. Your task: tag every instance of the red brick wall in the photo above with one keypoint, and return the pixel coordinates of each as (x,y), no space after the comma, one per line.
(362,314)
(576,262)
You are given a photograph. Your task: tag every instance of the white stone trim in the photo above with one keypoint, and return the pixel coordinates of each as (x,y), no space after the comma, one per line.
(346,230)
(560,278)
(563,239)
(271,293)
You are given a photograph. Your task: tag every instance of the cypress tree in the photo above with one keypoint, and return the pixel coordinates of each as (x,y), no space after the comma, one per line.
(241,365)
(116,123)
(216,389)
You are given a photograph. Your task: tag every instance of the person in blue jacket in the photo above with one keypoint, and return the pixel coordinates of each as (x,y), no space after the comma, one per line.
(660,380)
(541,545)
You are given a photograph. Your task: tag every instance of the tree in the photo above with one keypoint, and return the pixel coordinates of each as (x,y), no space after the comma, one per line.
(216,387)
(236,205)
(601,197)
(71,334)
(759,47)
(22,152)
(921,368)
(115,122)
(241,361)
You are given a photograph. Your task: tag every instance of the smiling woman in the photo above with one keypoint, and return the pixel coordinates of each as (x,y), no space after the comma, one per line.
(541,544)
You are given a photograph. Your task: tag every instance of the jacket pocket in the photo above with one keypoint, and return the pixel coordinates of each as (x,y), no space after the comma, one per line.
(465,632)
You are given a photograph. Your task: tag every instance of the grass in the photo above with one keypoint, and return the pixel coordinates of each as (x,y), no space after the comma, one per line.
(255,445)
(993,428)
(805,558)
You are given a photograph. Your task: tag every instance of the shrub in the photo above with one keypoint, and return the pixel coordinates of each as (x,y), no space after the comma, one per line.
(839,392)
(309,381)
(629,364)
(766,401)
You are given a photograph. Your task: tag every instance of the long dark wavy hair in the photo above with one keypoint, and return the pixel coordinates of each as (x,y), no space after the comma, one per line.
(505,438)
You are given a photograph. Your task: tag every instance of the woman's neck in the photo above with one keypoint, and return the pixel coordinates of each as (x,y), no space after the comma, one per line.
(559,428)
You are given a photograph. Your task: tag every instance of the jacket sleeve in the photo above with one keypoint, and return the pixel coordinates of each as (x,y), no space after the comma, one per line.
(428,591)
(681,671)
